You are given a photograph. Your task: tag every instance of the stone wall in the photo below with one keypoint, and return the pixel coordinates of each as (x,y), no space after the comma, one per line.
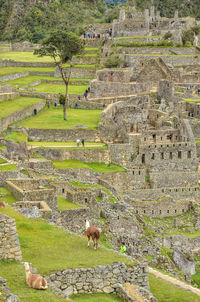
(11,63)
(116,75)
(158,50)
(73,220)
(82,175)
(86,155)
(79,72)
(4,175)
(6,88)
(18,115)
(135,294)
(9,242)
(24,46)
(104,278)
(85,60)
(101,88)
(61,135)
(13,76)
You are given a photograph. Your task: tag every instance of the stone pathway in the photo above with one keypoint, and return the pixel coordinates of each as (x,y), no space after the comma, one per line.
(175,281)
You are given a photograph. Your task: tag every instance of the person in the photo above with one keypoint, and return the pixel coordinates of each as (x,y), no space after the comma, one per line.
(48,104)
(123,248)
(83,142)
(86,94)
(78,142)
(55,104)
(79,97)
(76,106)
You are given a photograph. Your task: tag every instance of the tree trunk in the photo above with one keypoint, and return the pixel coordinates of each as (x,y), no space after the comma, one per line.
(67,94)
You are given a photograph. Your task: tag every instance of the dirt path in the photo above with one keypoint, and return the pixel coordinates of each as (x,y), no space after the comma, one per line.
(175,281)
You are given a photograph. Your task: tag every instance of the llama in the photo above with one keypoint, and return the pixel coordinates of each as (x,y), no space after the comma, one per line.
(34,280)
(92,231)
(2,204)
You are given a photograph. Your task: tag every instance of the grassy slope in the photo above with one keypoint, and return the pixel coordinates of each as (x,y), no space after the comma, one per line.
(24,57)
(16,136)
(10,70)
(53,119)
(54,88)
(167,292)
(96,167)
(58,144)
(64,204)
(11,106)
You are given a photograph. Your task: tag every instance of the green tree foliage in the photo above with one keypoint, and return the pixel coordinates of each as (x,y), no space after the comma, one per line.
(61,46)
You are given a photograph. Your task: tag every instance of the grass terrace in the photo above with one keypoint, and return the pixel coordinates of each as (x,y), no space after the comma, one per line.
(11,106)
(24,57)
(64,204)
(10,70)
(2,161)
(191,101)
(7,196)
(68,145)
(18,137)
(167,292)
(8,167)
(96,167)
(53,119)
(55,88)
(96,298)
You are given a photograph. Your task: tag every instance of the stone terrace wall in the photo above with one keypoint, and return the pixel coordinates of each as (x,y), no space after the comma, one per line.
(62,135)
(101,88)
(100,279)
(6,88)
(73,220)
(4,175)
(82,175)
(86,155)
(18,115)
(157,50)
(13,76)
(79,72)
(9,242)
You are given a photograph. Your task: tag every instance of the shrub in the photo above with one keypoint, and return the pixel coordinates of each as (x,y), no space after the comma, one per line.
(113,61)
(188,37)
(167,36)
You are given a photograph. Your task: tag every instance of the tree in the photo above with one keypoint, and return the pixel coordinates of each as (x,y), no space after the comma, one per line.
(62,47)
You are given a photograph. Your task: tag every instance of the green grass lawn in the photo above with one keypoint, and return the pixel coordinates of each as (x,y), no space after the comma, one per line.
(2,161)
(21,82)
(192,100)
(167,292)
(54,88)
(8,167)
(96,167)
(24,57)
(2,148)
(68,145)
(10,70)
(64,204)
(81,185)
(11,106)
(7,196)
(96,298)
(53,119)
(49,248)
(16,136)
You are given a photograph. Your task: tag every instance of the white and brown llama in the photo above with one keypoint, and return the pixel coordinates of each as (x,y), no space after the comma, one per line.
(2,204)
(34,280)
(92,232)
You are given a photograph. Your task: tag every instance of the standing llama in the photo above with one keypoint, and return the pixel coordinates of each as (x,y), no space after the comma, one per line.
(2,204)
(34,280)
(92,231)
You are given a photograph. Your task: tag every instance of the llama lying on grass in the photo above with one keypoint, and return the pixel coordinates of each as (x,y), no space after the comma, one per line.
(34,280)
(2,204)
(92,231)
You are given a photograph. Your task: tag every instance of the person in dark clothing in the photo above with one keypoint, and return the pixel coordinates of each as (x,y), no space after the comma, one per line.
(83,142)
(86,94)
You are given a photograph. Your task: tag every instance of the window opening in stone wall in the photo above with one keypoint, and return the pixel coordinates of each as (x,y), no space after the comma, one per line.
(133,172)
(139,172)
(160,212)
(144,211)
(189,154)
(183,210)
(152,156)
(143,158)
(152,211)
(162,155)
(179,154)
(170,155)
(86,200)
(161,138)
(167,211)
(63,190)
(175,211)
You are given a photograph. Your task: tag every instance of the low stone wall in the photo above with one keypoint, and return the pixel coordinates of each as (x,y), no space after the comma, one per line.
(24,46)
(104,278)
(6,88)
(13,76)
(79,72)
(8,96)
(139,294)
(86,60)
(116,75)
(62,135)
(18,115)
(101,88)
(82,175)
(86,155)
(131,60)
(158,50)
(10,246)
